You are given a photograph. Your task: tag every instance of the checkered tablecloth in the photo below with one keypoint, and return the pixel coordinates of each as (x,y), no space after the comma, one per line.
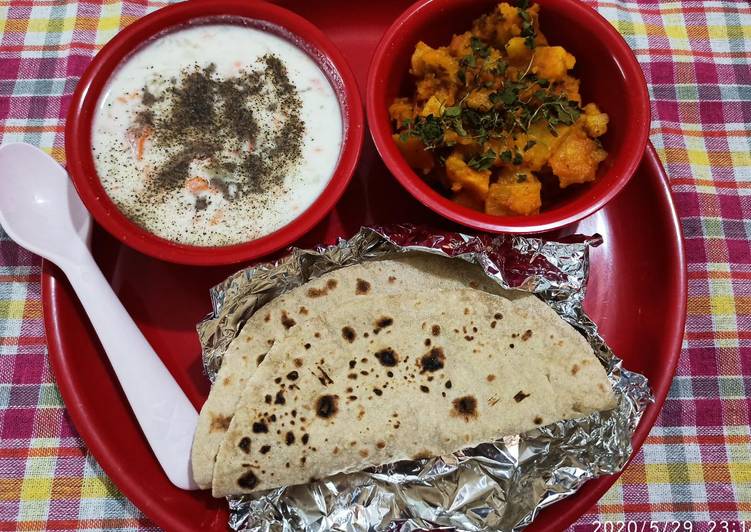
(695,465)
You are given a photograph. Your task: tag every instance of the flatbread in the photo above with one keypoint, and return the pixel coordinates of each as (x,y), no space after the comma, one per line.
(405,376)
(414,272)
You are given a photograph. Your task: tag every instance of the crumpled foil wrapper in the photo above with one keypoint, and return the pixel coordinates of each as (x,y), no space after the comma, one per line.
(500,485)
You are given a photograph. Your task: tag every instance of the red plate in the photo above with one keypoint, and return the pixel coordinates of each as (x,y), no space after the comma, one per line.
(637,294)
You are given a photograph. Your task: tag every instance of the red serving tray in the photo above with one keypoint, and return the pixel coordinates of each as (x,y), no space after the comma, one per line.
(637,295)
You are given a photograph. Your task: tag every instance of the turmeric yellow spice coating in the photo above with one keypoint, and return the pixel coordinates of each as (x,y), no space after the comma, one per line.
(496,117)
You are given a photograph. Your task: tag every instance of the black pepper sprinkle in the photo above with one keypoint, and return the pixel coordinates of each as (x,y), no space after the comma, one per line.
(200,116)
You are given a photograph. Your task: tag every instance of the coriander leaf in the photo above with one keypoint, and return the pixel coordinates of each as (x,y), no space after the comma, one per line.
(453,111)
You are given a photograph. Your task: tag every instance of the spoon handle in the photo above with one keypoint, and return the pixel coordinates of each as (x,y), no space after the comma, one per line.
(166,416)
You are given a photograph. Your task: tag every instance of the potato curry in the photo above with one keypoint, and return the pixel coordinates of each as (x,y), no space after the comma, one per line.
(497,113)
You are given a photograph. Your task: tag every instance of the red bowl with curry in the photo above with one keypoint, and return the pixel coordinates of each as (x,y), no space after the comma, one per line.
(504,117)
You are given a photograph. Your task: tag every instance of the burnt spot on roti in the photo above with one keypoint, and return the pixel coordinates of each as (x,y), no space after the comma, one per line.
(323,377)
(574,369)
(260,427)
(352,376)
(348,333)
(331,284)
(316,292)
(422,455)
(493,324)
(305,438)
(465,406)
(387,357)
(362,287)
(227,381)
(384,321)
(267,317)
(264,449)
(303,311)
(521,396)
(292,375)
(511,346)
(433,360)
(490,378)
(352,364)
(244,444)
(260,359)
(427,342)
(498,316)
(248,480)
(278,380)
(436,330)
(381,444)
(469,338)
(392,278)
(220,423)
(327,406)
(527,335)
(289,438)
(364,453)
(378,391)
(298,362)
(390,374)
(448,385)
(287,322)
(424,389)
(537,420)
(279,399)
(268,399)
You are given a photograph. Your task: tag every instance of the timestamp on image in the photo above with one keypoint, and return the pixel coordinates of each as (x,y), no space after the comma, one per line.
(672,526)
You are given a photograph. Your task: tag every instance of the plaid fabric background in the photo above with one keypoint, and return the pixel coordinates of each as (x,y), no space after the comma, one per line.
(695,465)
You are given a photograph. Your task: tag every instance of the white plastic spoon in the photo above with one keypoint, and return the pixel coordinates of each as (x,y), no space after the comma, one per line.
(41,211)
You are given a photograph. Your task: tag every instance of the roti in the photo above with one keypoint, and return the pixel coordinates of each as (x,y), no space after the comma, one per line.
(361,282)
(405,376)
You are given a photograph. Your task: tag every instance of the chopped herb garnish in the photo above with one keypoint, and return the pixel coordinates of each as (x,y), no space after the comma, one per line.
(482,162)
(529,144)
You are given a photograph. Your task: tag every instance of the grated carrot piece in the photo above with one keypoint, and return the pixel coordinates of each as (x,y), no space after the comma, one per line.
(197,184)
(141,142)
(218,215)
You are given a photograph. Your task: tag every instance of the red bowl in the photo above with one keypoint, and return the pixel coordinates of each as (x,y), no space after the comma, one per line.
(610,75)
(265,16)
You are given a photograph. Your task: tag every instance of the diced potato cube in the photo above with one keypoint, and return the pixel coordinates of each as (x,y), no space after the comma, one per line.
(438,61)
(479,99)
(414,152)
(595,123)
(576,159)
(518,52)
(552,62)
(401,110)
(463,178)
(461,45)
(433,106)
(517,192)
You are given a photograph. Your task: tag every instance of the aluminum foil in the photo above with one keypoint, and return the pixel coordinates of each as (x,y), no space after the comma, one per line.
(500,485)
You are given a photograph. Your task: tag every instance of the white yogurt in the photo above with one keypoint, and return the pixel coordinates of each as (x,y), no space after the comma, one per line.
(206,203)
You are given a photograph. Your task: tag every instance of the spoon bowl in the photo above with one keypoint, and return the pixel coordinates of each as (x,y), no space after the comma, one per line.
(39,207)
